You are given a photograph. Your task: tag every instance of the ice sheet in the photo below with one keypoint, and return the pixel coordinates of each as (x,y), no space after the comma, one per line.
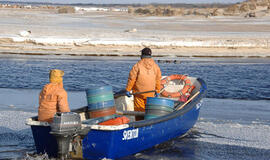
(241,124)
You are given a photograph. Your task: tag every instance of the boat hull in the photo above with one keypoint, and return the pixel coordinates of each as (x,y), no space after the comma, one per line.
(44,141)
(115,144)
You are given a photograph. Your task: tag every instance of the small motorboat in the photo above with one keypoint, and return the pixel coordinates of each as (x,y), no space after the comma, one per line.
(76,135)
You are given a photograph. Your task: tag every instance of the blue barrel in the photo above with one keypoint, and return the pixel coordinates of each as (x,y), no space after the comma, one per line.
(100,105)
(156,107)
(99,99)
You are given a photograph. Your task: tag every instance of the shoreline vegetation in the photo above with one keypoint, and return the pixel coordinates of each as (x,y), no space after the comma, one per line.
(248,8)
(171,30)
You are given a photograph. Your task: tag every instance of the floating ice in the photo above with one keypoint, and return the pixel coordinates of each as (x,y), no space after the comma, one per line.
(254,135)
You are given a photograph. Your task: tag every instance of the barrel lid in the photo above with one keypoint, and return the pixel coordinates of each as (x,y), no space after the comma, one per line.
(99,90)
(160,101)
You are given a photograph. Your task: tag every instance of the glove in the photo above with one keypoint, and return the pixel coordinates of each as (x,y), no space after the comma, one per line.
(157,95)
(128,94)
(183,98)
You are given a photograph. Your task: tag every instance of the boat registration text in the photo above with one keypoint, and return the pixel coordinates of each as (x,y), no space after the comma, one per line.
(130,134)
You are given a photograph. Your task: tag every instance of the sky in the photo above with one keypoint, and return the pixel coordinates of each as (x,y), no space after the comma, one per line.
(128,1)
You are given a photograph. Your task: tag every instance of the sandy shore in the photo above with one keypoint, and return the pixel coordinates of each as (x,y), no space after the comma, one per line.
(121,34)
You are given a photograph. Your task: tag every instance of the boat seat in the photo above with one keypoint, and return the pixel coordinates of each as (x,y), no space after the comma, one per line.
(98,120)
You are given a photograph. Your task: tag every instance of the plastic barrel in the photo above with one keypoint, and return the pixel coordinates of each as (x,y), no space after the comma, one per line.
(102,112)
(100,105)
(100,101)
(156,107)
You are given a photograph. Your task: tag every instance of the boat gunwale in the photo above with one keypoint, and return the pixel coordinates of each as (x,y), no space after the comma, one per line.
(136,124)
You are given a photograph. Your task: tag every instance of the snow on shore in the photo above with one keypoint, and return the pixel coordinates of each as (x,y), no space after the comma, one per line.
(264,43)
(118,34)
(92,9)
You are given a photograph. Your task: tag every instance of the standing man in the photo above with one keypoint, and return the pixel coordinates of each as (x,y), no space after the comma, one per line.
(145,75)
(53,97)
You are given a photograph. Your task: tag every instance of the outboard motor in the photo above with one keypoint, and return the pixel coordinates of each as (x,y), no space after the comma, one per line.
(65,126)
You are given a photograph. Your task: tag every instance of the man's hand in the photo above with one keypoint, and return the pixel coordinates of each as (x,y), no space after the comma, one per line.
(128,94)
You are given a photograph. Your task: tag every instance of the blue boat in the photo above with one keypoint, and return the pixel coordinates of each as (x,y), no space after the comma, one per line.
(94,141)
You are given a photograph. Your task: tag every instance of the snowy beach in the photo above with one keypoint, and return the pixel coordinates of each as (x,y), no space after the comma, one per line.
(117,33)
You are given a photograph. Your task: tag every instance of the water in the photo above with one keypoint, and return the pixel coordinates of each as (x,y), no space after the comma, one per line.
(234,121)
(226,78)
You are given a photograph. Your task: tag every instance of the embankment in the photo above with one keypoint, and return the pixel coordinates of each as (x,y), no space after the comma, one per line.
(204,47)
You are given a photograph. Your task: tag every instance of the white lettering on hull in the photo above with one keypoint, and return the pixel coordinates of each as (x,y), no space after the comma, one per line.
(130,134)
(198,106)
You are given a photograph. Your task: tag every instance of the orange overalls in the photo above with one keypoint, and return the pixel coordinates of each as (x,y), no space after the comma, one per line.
(144,76)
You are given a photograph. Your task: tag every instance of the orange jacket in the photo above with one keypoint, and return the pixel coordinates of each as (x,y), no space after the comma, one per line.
(144,76)
(52,99)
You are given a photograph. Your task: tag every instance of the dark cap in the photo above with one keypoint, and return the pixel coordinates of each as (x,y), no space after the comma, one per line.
(146,53)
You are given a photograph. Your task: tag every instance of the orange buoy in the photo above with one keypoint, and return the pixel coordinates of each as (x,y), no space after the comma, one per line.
(183,92)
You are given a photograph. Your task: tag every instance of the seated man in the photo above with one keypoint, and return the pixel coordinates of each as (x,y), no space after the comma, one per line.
(53,97)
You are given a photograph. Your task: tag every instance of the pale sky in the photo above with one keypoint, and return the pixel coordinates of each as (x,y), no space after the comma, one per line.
(128,1)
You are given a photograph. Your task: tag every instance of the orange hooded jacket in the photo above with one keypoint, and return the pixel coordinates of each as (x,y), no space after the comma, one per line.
(144,76)
(53,97)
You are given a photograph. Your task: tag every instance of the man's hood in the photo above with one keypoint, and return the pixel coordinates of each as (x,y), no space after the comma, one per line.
(148,63)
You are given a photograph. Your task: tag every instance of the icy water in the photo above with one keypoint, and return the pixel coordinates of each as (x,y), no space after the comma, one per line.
(234,121)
